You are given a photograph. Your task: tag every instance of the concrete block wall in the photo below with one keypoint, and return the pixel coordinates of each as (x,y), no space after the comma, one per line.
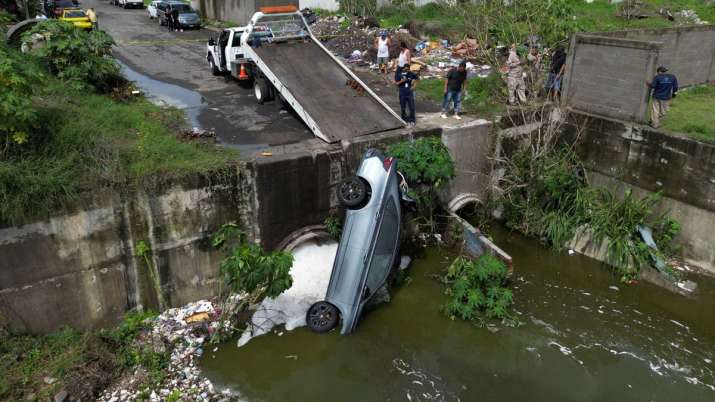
(606,71)
(606,76)
(237,11)
(688,52)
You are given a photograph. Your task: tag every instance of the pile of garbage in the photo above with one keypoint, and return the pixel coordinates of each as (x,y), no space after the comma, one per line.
(354,39)
(689,16)
(196,133)
(184,331)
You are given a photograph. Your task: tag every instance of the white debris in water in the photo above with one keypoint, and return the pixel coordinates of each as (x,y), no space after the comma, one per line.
(311,270)
(571,252)
(614,288)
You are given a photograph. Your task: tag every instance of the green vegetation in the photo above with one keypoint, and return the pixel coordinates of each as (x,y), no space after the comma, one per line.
(477,289)
(81,362)
(333,225)
(249,269)
(61,135)
(483,96)
(691,113)
(548,198)
(144,252)
(427,165)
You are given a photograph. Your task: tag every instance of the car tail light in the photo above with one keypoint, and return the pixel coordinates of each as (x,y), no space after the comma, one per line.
(387,163)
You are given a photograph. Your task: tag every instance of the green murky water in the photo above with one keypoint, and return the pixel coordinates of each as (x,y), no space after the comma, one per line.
(585,337)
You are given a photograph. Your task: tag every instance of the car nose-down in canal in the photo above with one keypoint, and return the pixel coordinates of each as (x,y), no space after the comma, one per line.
(368,246)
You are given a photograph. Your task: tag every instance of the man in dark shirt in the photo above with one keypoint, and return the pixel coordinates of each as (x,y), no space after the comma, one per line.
(664,88)
(556,73)
(453,85)
(406,81)
(175,18)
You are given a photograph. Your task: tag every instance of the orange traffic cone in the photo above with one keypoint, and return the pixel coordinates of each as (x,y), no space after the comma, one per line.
(243,75)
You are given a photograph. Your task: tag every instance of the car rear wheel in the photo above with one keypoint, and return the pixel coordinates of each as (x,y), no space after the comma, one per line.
(322,317)
(352,192)
(262,90)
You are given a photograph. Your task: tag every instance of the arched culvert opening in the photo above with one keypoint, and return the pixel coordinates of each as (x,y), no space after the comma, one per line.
(316,233)
(13,37)
(464,203)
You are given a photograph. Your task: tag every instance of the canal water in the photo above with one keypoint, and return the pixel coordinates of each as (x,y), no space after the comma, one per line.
(585,337)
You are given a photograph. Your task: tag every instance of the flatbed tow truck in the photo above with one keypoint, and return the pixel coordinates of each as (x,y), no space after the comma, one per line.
(278,53)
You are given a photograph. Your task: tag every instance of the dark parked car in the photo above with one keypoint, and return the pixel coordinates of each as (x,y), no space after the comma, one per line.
(188,17)
(368,246)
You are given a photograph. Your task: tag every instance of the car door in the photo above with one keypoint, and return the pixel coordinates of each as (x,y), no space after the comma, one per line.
(234,47)
(385,247)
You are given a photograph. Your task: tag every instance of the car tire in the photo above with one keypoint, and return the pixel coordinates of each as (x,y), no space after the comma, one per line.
(262,90)
(214,68)
(352,192)
(322,317)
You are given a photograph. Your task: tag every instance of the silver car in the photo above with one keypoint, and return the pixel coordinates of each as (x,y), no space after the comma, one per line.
(368,246)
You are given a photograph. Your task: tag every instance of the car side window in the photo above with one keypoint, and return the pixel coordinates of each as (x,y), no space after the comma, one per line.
(236,39)
(385,244)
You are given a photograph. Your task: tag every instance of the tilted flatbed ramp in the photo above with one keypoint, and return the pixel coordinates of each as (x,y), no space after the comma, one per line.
(317,85)
(321,87)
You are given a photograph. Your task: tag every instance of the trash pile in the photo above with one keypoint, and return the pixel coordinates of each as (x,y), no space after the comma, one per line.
(184,331)
(353,39)
(197,133)
(689,16)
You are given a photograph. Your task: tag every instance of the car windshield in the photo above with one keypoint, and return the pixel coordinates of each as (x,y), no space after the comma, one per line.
(183,8)
(75,14)
(65,4)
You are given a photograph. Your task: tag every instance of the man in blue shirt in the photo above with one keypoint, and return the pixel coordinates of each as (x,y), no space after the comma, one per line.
(406,80)
(664,87)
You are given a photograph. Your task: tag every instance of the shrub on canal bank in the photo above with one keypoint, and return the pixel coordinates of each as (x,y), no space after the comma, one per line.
(548,198)
(82,363)
(477,289)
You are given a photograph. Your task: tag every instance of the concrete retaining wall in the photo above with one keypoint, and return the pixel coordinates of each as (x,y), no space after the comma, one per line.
(237,11)
(620,156)
(81,269)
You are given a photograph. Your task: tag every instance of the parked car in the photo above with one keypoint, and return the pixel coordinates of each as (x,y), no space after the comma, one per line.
(151,9)
(188,17)
(59,6)
(131,3)
(77,17)
(368,247)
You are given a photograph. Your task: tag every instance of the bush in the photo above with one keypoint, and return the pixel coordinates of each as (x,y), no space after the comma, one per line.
(77,57)
(477,289)
(247,268)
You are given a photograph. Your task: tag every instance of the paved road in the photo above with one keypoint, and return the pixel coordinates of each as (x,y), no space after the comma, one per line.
(156,57)
(178,58)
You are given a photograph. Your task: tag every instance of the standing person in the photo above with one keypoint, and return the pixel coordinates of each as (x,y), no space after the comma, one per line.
(406,81)
(405,57)
(382,44)
(169,18)
(453,86)
(556,73)
(533,60)
(175,18)
(92,18)
(515,77)
(664,87)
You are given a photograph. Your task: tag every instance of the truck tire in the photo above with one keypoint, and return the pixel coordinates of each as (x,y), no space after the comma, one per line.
(262,90)
(214,68)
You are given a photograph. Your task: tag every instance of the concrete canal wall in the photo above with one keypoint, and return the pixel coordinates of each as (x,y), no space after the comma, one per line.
(623,156)
(81,268)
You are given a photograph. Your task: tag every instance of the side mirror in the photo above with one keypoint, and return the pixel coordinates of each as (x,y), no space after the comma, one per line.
(212,41)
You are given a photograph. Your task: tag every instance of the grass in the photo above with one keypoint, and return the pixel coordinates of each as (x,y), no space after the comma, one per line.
(483,95)
(691,113)
(44,364)
(439,20)
(90,141)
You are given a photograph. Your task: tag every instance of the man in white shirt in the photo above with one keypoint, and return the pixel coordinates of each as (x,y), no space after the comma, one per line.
(515,77)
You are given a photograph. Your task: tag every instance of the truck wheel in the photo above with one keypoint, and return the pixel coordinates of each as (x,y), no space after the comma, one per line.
(262,90)
(322,317)
(352,192)
(214,69)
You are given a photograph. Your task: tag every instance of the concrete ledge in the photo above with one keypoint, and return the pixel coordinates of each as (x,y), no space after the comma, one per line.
(610,41)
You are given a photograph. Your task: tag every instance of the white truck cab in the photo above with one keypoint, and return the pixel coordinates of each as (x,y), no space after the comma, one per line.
(222,51)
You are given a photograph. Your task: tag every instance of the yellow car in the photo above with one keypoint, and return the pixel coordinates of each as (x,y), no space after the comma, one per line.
(77,17)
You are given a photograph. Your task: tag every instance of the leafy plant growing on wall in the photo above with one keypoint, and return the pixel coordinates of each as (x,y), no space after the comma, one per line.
(477,289)
(248,269)
(144,252)
(333,225)
(427,166)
